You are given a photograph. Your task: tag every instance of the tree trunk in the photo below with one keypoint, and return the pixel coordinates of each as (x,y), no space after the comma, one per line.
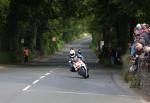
(35,36)
(122,32)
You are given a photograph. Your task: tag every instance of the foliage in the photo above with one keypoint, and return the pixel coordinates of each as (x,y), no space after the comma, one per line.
(7,58)
(37,21)
(135,81)
(115,15)
(4,10)
(131,78)
(46,43)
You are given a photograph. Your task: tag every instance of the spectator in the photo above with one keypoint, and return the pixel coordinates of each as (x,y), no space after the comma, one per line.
(26,54)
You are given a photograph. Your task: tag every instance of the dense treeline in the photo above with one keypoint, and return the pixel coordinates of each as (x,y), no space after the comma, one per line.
(114,20)
(33,23)
(36,23)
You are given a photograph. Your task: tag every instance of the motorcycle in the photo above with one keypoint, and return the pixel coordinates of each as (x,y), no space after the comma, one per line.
(81,68)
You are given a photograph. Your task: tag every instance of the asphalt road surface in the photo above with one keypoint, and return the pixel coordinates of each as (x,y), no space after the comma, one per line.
(48,80)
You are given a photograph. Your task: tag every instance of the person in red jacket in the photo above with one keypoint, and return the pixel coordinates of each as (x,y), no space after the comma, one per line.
(26,54)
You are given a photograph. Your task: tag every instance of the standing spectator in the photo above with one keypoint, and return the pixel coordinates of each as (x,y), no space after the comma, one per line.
(26,54)
(110,55)
(118,55)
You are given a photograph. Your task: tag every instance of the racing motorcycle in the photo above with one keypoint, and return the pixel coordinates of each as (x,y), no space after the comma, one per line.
(81,68)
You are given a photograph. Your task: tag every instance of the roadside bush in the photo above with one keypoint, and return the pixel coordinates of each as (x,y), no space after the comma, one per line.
(135,81)
(132,78)
(7,58)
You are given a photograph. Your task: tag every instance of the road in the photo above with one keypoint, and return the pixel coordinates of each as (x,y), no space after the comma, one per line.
(48,80)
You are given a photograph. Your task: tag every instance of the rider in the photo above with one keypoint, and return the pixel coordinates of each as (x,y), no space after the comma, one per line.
(74,57)
(71,58)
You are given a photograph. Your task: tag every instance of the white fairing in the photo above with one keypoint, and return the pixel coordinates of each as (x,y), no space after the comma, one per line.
(83,64)
(77,65)
(80,66)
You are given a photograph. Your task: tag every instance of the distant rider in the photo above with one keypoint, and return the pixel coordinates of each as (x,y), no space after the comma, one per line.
(79,54)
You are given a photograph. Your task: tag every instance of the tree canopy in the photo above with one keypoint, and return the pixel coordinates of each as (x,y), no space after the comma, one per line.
(38,21)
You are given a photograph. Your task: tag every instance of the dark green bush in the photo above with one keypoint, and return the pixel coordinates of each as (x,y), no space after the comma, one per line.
(8,58)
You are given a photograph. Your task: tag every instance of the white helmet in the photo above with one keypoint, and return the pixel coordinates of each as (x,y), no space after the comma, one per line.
(138,26)
(72,53)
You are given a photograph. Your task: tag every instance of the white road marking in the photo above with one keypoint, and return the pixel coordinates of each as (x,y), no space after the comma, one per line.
(35,81)
(47,74)
(86,93)
(26,88)
(42,77)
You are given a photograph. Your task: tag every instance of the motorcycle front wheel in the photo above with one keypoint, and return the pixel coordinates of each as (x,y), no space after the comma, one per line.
(84,72)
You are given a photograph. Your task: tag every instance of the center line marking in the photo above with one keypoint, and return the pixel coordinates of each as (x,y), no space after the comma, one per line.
(35,81)
(47,74)
(26,88)
(42,77)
